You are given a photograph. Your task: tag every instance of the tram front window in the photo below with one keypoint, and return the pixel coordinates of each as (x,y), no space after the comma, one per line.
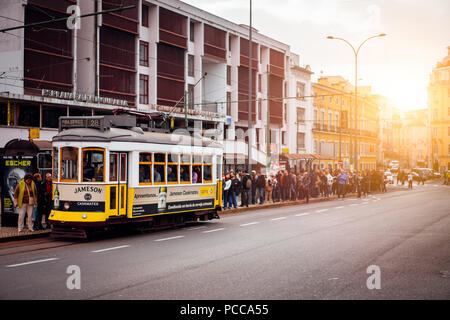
(69,161)
(93,165)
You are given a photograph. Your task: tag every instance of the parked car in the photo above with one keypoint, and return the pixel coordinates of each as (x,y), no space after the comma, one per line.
(389,177)
(416,176)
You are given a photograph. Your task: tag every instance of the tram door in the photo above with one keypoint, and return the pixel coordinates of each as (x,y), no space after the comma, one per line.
(118,191)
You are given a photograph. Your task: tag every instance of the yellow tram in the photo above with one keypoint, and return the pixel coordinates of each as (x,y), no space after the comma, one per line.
(109,172)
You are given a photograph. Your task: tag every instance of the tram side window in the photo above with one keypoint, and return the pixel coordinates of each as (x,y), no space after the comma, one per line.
(145,168)
(69,164)
(113,167)
(196,169)
(55,163)
(185,168)
(207,168)
(218,167)
(159,165)
(93,165)
(172,168)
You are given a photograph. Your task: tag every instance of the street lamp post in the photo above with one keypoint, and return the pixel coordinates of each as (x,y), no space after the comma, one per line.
(355,154)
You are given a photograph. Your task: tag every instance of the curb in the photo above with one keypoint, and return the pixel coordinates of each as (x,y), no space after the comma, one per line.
(290,203)
(276,204)
(25,236)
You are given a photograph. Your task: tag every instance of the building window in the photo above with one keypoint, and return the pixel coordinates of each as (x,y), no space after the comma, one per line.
(50,116)
(4,114)
(259,109)
(301,90)
(143,53)
(190,96)
(228,103)
(28,115)
(144,15)
(300,115)
(285,112)
(300,140)
(143,89)
(190,65)
(283,137)
(259,82)
(191,31)
(229,75)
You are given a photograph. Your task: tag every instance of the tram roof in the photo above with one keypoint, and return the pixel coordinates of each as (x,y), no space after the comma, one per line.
(130,135)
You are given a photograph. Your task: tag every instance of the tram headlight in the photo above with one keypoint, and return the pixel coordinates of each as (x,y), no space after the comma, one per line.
(66,205)
(84,216)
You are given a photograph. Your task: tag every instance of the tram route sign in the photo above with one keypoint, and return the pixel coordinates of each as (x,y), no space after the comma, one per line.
(80,122)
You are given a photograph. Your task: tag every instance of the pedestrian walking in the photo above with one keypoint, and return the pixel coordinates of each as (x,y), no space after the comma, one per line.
(410,180)
(25,197)
(342,181)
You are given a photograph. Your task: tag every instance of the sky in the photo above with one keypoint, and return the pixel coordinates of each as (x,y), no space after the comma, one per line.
(396,66)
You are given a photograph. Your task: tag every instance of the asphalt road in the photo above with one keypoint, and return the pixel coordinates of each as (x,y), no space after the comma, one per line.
(316,251)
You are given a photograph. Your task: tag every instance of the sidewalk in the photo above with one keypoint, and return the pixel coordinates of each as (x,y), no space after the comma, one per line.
(11,233)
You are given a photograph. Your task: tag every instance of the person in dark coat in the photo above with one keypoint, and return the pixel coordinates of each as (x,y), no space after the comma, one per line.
(306,182)
(246,188)
(261,187)
(39,210)
(47,187)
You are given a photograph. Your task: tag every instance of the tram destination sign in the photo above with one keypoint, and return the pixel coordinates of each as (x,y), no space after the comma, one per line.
(82,122)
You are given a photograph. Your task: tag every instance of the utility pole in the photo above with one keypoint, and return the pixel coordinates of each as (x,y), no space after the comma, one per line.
(268,138)
(250,74)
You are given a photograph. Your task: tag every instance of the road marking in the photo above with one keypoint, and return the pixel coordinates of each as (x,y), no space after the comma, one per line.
(302,214)
(196,228)
(31,262)
(170,238)
(340,207)
(249,224)
(321,210)
(214,230)
(353,204)
(108,249)
(280,218)
(365,202)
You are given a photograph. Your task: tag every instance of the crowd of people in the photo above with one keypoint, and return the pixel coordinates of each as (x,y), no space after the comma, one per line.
(33,197)
(283,186)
